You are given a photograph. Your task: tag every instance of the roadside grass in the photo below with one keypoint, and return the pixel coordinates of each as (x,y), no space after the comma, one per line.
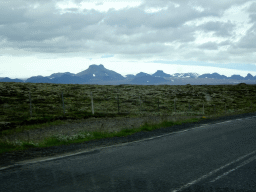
(16,146)
(58,140)
(23,128)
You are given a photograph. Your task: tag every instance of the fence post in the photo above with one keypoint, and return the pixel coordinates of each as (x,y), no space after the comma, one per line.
(175,105)
(30,105)
(140,103)
(158,104)
(92,103)
(28,136)
(63,106)
(118,103)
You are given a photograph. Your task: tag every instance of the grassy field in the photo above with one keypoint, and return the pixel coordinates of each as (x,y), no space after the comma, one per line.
(47,109)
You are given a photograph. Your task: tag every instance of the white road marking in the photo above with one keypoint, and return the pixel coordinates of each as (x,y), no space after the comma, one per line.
(226,173)
(223,122)
(211,173)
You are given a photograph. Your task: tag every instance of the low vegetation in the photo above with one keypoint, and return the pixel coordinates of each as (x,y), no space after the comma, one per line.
(57,140)
(46,107)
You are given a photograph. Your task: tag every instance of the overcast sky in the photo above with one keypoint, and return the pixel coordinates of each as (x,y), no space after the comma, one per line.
(41,37)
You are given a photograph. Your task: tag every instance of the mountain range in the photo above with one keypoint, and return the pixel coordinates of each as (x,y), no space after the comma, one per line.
(98,74)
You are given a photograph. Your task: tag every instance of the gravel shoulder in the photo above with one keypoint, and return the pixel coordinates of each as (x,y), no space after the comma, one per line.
(11,158)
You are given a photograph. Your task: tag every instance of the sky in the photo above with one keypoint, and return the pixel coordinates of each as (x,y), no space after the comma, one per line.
(42,37)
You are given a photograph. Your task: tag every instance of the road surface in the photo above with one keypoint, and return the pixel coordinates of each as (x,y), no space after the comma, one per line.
(219,156)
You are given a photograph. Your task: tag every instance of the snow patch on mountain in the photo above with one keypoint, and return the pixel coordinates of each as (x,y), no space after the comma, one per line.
(186,75)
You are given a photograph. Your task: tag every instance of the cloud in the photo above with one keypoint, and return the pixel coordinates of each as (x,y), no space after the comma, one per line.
(252,8)
(209,46)
(222,29)
(182,30)
(248,41)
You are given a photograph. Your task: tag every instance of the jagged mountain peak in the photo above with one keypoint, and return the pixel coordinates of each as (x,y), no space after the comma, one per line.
(249,77)
(99,72)
(141,74)
(160,73)
(94,66)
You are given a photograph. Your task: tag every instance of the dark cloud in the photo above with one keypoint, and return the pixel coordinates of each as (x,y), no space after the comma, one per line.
(128,18)
(172,17)
(224,43)
(222,29)
(72,9)
(253,18)
(11,14)
(252,8)
(209,46)
(169,35)
(52,25)
(252,12)
(248,41)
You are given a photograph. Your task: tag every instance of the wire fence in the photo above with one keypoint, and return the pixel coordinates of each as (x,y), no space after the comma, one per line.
(19,102)
(35,105)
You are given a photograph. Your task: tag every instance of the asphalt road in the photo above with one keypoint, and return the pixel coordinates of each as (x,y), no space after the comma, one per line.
(213,157)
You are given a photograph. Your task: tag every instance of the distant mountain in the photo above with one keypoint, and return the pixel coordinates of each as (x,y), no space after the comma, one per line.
(141,74)
(69,79)
(63,79)
(186,75)
(54,75)
(213,76)
(99,72)
(160,73)
(148,80)
(7,79)
(250,77)
(38,79)
(236,77)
